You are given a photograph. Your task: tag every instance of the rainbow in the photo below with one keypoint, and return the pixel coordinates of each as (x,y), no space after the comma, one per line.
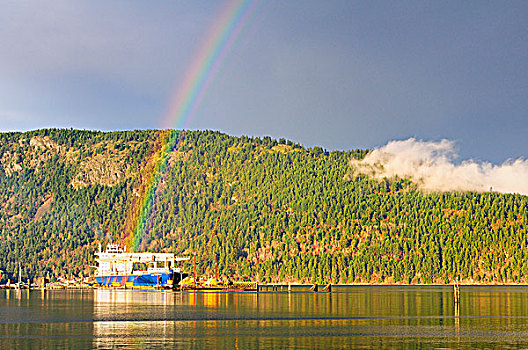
(183,106)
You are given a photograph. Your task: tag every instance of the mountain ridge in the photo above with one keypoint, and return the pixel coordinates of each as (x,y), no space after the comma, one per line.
(269,210)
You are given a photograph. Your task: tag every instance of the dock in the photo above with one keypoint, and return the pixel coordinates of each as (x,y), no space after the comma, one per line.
(289,287)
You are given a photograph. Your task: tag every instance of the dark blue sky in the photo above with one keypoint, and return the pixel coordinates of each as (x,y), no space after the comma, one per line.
(339,74)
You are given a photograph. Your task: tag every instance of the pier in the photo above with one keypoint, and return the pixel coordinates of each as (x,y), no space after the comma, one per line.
(289,287)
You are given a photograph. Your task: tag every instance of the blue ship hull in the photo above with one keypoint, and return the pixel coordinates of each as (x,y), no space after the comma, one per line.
(150,280)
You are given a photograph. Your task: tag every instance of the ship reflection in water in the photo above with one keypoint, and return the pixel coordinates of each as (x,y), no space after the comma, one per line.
(135,319)
(145,319)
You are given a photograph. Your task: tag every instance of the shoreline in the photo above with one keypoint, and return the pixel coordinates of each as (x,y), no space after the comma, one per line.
(270,287)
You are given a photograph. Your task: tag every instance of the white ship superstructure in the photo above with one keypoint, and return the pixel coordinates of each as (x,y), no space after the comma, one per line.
(117,268)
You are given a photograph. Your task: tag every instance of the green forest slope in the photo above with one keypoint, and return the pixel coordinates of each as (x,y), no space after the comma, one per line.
(269,210)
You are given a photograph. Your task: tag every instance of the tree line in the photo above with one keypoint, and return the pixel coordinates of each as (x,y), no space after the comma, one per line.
(264,209)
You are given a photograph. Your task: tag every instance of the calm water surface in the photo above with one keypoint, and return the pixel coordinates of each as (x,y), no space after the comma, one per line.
(349,317)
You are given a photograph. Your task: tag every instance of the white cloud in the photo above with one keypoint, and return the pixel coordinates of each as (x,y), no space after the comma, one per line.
(432,166)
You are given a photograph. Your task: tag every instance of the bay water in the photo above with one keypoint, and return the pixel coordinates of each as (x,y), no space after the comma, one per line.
(365,317)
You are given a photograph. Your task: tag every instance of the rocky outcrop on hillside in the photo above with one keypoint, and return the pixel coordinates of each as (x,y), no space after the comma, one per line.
(20,156)
(102,169)
(43,143)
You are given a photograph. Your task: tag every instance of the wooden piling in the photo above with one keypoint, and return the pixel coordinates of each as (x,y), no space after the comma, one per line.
(194,269)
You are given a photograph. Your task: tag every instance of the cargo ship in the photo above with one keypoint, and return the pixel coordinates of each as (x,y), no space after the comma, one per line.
(119,269)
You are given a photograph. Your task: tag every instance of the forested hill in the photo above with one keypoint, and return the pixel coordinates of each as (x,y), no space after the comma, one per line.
(269,210)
